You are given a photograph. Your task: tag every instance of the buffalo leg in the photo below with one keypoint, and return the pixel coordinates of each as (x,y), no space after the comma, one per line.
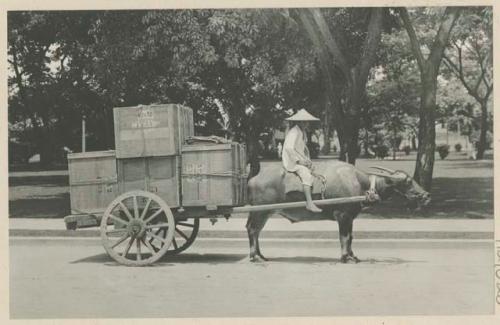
(344,219)
(349,246)
(255,223)
(257,238)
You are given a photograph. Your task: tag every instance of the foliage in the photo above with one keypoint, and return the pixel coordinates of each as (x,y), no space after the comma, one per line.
(407,149)
(443,150)
(458,147)
(469,60)
(242,72)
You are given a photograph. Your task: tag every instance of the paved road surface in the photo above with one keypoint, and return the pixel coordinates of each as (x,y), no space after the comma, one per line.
(73,278)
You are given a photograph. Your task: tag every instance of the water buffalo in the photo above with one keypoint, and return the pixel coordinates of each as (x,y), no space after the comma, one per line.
(343,180)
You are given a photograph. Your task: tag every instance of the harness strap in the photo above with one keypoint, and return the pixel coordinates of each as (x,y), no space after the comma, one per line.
(323,183)
(371,194)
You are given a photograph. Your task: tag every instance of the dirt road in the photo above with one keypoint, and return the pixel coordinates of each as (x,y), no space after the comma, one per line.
(73,278)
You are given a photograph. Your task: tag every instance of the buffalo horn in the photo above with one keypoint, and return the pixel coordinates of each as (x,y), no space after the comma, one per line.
(384,175)
(384,169)
(379,174)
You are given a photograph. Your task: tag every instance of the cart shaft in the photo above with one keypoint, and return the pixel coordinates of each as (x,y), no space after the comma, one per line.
(301,204)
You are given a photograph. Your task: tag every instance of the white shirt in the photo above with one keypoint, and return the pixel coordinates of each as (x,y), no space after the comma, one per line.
(294,148)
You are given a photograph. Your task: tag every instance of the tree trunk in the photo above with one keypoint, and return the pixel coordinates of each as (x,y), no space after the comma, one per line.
(429,69)
(342,143)
(481,145)
(427,132)
(353,148)
(348,139)
(327,143)
(326,128)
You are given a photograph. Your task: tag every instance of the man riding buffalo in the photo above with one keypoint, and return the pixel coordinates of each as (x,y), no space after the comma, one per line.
(295,156)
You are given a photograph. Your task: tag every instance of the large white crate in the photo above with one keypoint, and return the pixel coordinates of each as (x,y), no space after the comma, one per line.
(152,130)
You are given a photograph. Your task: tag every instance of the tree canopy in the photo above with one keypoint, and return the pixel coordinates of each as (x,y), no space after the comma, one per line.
(242,72)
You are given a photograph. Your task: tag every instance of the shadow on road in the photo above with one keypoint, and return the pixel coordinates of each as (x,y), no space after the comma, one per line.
(319,260)
(213,259)
(169,260)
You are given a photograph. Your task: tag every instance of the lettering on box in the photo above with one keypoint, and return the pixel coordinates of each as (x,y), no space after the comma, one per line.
(145,119)
(105,188)
(194,172)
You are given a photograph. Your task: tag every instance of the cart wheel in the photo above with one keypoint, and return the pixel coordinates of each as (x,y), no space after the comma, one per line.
(185,234)
(143,228)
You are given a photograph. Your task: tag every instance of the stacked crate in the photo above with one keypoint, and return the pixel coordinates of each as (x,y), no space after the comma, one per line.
(214,174)
(148,142)
(92,181)
(151,155)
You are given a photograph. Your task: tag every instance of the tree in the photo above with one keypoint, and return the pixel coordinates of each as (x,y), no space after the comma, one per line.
(392,108)
(469,58)
(345,75)
(429,70)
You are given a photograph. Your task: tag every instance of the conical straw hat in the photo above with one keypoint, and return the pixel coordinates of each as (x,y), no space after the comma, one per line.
(302,115)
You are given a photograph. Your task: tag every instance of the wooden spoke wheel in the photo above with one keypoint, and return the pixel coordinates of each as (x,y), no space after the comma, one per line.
(137,228)
(185,234)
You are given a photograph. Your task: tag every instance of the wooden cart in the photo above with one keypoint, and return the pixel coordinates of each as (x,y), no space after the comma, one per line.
(138,227)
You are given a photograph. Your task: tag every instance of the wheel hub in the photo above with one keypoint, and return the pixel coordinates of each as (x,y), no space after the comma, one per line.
(136,228)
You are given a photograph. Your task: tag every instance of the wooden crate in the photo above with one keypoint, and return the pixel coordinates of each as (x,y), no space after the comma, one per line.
(92,181)
(153,130)
(159,175)
(213,174)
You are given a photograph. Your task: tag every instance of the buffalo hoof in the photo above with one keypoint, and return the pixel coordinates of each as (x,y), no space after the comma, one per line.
(262,257)
(349,258)
(344,258)
(355,259)
(257,259)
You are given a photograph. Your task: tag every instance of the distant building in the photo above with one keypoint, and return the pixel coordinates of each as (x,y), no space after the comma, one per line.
(451,138)
(444,136)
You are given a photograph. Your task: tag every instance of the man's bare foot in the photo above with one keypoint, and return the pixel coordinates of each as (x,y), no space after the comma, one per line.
(313,208)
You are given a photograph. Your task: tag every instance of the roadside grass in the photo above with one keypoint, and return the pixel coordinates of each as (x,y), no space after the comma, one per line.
(461,189)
